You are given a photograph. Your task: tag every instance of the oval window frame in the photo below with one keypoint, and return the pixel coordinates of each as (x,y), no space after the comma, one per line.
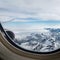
(23,52)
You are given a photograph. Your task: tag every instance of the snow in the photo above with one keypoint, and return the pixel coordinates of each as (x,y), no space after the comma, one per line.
(44,41)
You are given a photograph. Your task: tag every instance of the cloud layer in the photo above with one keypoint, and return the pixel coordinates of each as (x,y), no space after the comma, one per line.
(30,13)
(41,9)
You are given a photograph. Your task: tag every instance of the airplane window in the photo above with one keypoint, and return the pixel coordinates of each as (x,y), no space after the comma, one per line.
(32,35)
(32,25)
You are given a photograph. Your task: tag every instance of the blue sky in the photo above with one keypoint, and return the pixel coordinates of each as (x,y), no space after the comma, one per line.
(34,14)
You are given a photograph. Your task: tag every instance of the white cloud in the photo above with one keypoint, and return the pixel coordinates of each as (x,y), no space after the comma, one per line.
(42,9)
(22,20)
(37,9)
(30,27)
(5,19)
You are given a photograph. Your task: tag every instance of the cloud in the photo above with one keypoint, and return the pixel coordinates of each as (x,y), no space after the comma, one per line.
(29,27)
(41,9)
(4,19)
(41,14)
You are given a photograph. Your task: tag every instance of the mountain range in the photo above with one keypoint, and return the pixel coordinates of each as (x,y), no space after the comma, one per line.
(41,41)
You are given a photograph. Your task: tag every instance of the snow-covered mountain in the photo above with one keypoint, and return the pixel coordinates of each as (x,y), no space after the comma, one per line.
(45,41)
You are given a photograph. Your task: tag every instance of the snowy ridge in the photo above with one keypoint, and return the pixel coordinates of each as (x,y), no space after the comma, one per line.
(44,41)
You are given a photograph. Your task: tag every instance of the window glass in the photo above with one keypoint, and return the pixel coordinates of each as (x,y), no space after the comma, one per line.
(33,25)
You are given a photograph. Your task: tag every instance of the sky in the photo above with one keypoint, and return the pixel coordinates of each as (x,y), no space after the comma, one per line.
(30,14)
